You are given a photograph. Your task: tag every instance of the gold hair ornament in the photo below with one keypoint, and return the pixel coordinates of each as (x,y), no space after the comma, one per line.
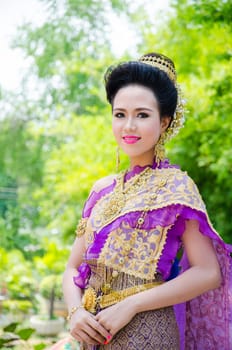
(163,64)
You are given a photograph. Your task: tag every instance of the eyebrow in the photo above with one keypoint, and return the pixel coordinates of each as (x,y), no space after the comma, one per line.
(136,109)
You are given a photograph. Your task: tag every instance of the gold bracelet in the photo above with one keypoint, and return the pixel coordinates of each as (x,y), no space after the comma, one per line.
(73,310)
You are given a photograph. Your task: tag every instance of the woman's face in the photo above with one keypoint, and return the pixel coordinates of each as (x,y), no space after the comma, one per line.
(136,123)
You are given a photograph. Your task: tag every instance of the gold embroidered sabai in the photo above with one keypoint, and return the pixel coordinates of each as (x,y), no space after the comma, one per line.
(136,250)
(156,188)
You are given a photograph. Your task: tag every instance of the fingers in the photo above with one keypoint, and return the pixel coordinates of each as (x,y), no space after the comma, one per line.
(108,339)
(107,331)
(86,329)
(100,328)
(88,335)
(106,325)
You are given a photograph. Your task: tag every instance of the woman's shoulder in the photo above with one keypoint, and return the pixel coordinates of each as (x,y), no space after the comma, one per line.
(99,189)
(103,183)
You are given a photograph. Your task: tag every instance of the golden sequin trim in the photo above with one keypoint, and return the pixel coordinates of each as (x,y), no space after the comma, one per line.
(81,227)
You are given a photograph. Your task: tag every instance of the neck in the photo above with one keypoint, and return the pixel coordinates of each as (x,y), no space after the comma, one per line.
(140,162)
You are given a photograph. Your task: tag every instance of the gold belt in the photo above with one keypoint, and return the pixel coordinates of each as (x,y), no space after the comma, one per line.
(90,300)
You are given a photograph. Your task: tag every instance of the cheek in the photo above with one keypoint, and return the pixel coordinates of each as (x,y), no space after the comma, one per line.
(153,129)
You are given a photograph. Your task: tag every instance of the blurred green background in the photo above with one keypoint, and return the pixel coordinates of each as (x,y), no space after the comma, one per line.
(56,140)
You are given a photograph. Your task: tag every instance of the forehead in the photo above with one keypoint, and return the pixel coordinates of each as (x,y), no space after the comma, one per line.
(136,95)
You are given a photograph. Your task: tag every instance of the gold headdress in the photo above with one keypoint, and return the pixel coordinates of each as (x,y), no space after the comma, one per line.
(165,64)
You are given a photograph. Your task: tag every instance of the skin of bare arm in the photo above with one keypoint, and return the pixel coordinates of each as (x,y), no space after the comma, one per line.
(203,275)
(83,325)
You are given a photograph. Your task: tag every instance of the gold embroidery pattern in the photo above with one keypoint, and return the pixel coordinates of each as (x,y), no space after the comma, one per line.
(81,227)
(165,186)
(134,251)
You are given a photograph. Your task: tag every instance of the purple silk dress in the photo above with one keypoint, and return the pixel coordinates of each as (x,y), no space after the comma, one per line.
(165,197)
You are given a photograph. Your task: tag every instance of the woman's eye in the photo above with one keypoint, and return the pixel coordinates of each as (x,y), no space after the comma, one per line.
(143,115)
(119,115)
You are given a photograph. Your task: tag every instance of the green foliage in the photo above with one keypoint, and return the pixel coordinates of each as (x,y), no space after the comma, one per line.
(17,280)
(11,333)
(17,274)
(205,12)
(198,38)
(68,54)
(49,269)
(23,334)
(21,164)
(17,307)
(69,51)
(53,260)
(87,153)
(51,282)
(55,145)
(12,336)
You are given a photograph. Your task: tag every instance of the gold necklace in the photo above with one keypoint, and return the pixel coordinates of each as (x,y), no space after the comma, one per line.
(118,196)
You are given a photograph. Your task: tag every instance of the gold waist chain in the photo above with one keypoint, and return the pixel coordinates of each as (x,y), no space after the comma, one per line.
(91,301)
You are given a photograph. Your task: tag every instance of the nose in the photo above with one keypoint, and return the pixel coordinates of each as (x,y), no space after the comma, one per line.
(130,124)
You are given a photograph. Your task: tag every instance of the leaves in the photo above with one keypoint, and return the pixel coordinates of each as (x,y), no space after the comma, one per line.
(40,346)
(11,327)
(202,51)
(25,333)
(57,141)
(11,333)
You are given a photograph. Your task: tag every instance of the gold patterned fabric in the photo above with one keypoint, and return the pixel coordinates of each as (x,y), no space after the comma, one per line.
(135,253)
(150,330)
(81,227)
(157,189)
(135,248)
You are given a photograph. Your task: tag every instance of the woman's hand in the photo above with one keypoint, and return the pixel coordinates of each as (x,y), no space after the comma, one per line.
(85,328)
(116,316)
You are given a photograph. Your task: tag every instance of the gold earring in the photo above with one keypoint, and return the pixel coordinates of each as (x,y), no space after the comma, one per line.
(117,158)
(159,151)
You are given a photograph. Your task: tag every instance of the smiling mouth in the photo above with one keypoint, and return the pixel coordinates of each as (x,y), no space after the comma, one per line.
(131,139)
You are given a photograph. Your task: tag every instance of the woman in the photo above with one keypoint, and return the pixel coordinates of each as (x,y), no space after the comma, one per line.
(129,292)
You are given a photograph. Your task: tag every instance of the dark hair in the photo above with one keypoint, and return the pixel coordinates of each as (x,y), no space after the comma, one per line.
(136,72)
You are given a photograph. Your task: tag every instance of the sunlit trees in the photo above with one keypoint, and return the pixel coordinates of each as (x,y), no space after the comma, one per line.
(198,37)
(55,136)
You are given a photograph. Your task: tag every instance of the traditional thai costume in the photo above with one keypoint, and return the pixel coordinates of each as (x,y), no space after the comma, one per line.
(133,230)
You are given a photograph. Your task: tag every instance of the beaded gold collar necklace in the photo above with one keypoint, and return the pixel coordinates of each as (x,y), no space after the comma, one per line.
(122,190)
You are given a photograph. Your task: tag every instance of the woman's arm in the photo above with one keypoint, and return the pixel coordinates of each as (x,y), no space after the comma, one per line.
(83,325)
(203,275)
(73,294)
